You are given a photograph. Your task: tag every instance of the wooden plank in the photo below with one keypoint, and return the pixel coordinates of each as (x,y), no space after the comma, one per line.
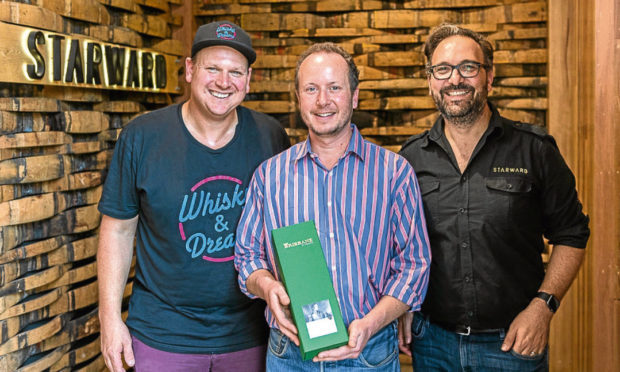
(33,249)
(526,81)
(206,8)
(77,356)
(155,4)
(31,169)
(270,107)
(74,94)
(412,18)
(275,61)
(530,117)
(33,281)
(76,299)
(74,330)
(374,73)
(170,46)
(73,181)
(83,121)
(438,4)
(330,6)
(34,139)
(74,276)
(66,254)
(521,33)
(31,104)
(146,24)
(33,336)
(524,103)
(514,92)
(511,13)
(393,84)
(32,302)
(71,221)
(515,70)
(271,86)
(46,361)
(116,35)
(520,56)
(84,147)
(279,21)
(398,103)
(97,365)
(387,59)
(392,131)
(13,122)
(119,107)
(84,10)
(30,15)
(332,32)
(128,5)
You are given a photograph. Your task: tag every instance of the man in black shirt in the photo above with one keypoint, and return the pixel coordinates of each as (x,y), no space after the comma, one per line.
(492,188)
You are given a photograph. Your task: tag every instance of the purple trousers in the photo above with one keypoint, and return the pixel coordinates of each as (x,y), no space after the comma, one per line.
(149,359)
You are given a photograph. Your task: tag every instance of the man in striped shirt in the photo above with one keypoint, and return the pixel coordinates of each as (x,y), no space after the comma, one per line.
(368,212)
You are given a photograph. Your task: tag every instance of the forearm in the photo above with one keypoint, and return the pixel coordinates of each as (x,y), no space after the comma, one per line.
(114,256)
(385,311)
(562,269)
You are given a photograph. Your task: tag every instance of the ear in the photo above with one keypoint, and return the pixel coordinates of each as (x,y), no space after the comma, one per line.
(428,80)
(490,76)
(355,98)
(247,84)
(189,70)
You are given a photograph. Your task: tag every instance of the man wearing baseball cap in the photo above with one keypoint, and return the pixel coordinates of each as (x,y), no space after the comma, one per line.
(178,183)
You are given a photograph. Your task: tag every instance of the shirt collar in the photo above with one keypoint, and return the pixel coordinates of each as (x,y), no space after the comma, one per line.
(495,126)
(356,146)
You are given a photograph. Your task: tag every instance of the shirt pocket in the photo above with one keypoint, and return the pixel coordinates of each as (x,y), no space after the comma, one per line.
(429,188)
(508,199)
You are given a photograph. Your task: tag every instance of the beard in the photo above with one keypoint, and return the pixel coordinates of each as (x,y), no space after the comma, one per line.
(464,113)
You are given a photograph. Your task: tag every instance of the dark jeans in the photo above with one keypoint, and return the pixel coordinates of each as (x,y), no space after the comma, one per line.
(380,354)
(436,349)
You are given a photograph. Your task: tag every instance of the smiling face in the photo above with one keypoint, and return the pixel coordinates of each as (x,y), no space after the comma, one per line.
(325,98)
(220,78)
(460,100)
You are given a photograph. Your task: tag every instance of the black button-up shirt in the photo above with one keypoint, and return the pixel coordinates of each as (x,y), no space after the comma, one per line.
(486,225)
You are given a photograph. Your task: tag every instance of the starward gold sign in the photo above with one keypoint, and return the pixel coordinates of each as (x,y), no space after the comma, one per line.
(35,56)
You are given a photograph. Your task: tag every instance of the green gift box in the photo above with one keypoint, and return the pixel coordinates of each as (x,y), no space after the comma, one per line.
(314,306)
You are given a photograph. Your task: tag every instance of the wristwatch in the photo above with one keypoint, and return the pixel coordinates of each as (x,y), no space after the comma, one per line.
(552,302)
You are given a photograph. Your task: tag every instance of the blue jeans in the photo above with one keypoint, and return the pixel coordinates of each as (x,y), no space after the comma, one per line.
(380,354)
(436,349)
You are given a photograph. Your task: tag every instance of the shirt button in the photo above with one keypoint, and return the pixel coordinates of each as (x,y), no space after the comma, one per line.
(329,173)
(467,279)
(329,203)
(331,234)
(334,268)
(509,186)
(470,314)
(464,244)
(464,178)
(462,210)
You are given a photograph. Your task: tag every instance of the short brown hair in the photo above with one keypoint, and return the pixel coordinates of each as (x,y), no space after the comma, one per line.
(330,48)
(446,30)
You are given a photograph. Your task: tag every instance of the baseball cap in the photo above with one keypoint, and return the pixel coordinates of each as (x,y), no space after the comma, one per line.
(224,33)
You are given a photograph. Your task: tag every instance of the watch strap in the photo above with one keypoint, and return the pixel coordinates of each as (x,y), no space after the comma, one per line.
(552,302)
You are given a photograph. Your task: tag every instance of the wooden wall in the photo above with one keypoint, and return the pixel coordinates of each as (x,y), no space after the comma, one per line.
(56,139)
(386,40)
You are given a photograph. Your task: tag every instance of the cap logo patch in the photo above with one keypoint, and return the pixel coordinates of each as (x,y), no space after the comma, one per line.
(226,32)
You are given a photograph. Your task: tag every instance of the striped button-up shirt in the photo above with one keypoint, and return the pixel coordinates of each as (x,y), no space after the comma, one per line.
(368,213)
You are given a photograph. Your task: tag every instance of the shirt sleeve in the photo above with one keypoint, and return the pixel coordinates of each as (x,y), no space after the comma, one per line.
(250,242)
(563,218)
(120,196)
(411,258)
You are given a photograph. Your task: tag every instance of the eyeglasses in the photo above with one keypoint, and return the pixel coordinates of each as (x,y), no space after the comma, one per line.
(466,69)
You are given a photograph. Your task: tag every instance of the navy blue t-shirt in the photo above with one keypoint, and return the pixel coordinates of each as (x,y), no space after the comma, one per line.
(189,198)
